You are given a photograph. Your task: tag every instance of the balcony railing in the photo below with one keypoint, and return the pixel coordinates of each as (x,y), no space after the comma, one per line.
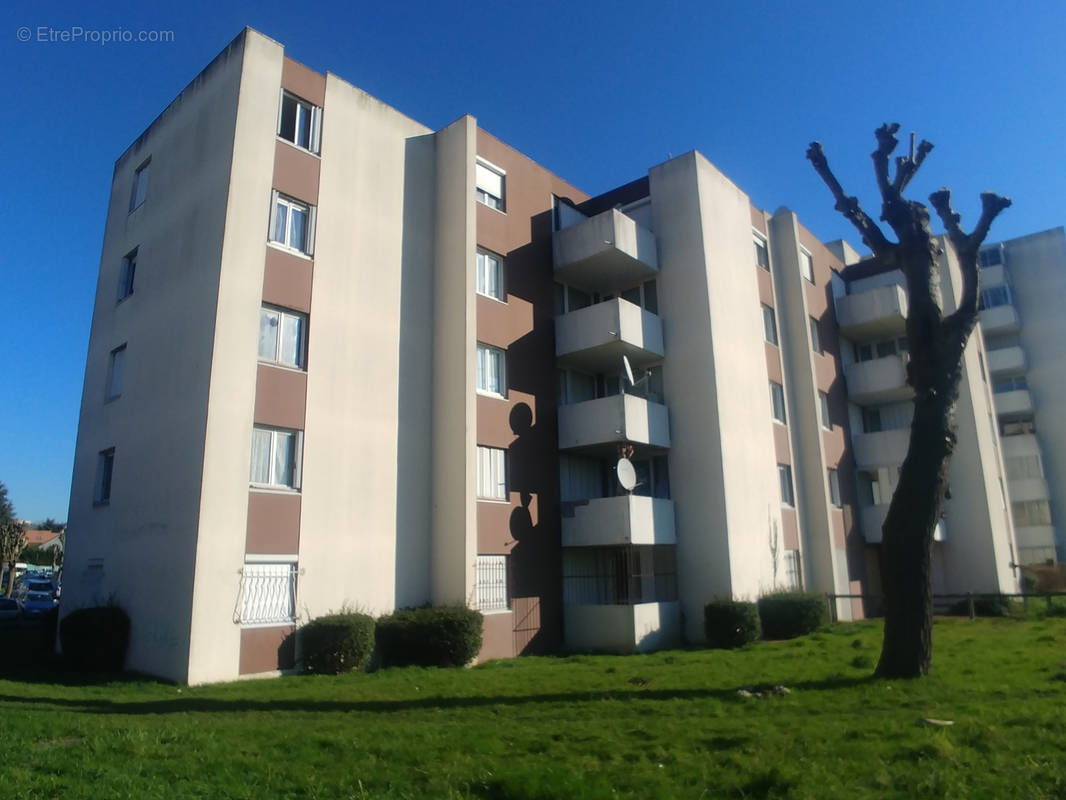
(878,381)
(595,338)
(628,519)
(1007,361)
(999,319)
(605,252)
(611,420)
(622,628)
(873,519)
(881,449)
(1016,404)
(874,313)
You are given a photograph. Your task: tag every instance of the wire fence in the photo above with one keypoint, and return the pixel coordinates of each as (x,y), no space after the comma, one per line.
(970,603)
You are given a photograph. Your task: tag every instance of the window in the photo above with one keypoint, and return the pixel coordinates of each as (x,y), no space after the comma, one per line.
(490,275)
(869,487)
(491,473)
(990,256)
(996,296)
(784,474)
(816,339)
(126,275)
(762,254)
(806,265)
(490,370)
(823,408)
(769,324)
(871,420)
(492,583)
(115,369)
(777,401)
(293,224)
(1022,467)
(651,297)
(268,593)
(834,488)
(490,184)
(1010,385)
(276,456)
(282,337)
(299,122)
(140,185)
(793,574)
(1030,512)
(105,467)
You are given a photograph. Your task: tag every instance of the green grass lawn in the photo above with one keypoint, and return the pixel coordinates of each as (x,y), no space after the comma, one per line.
(665,725)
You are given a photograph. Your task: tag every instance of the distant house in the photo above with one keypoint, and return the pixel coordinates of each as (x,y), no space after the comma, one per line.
(44,539)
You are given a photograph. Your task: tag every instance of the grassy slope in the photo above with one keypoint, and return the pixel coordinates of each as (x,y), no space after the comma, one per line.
(658,726)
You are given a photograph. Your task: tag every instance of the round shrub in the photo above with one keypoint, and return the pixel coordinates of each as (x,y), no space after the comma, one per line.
(337,643)
(731,623)
(786,615)
(95,639)
(446,636)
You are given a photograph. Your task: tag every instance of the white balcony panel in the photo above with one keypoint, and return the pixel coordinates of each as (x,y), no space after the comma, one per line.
(881,449)
(1029,536)
(875,313)
(609,420)
(628,519)
(605,252)
(873,518)
(595,338)
(1007,361)
(878,381)
(1001,319)
(637,628)
(1013,405)
(1022,489)
(1022,444)
(993,276)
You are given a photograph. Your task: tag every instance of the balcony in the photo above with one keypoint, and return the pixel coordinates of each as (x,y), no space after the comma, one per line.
(873,314)
(1007,361)
(993,276)
(1031,536)
(873,518)
(628,519)
(594,339)
(1000,319)
(636,628)
(1024,489)
(878,381)
(1016,404)
(605,252)
(881,449)
(603,423)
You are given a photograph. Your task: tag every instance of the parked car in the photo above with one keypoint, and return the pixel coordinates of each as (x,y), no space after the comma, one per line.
(36,603)
(9,609)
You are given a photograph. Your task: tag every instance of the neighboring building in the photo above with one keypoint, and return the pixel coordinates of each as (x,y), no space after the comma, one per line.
(340,359)
(45,539)
(1022,283)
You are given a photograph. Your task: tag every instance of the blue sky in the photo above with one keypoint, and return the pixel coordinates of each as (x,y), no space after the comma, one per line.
(595,91)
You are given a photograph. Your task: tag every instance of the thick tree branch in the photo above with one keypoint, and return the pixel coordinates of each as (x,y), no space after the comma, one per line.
(849,206)
(907,167)
(991,206)
(886,144)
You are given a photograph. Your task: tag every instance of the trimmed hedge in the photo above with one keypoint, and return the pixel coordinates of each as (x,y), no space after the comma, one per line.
(984,605)
(447,636)
(337,643)
(731,623)
(95,639)
(786,615)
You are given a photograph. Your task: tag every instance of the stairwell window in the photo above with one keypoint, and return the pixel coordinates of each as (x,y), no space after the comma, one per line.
(299,122)
(292,224)
(490,370)
(777,401)
(807,265)
(769,324)
(276,456)
(490,275)
(762,253)
(490,184)
(823,410)
(116,368)
(784,474)
(127,273)
(491,473)
(105,468)
(282,337)
(492,584)
(816,337)
(139,192)
(834,488)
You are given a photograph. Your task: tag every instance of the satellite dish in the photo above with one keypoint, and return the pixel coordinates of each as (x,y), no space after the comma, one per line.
(627,476)
(628,371)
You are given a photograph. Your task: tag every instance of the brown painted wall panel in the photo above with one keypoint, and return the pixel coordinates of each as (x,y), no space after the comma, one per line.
(303,82)
(766,286)
(296,172)
(280,397)
(501,324)
(287,280)
(267,649)
(781,449)
(836,517)
(825,371)
(789,529)
(494,526)
(773,363)
(833,445)
(758,221)
(273,523)
(498,637)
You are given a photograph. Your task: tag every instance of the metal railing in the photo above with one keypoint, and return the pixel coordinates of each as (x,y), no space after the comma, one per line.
(972,600)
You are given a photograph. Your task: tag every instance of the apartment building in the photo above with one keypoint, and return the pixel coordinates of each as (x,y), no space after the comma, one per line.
(340,359)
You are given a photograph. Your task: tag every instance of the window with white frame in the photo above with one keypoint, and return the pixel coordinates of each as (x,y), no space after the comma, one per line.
(490,184)
(490,275)
(491,473)
(823,409)
(282,337)
(276,454)
(784,474)
(139,191)
(126,274)
(492,583)
(268,593)
(490,370)
(793,573)
(105,468)
(762,253)
(834,487)
(292,224)
(816,337)
(116,367)
(777,401)
(807,265)
(769,324)
(299,122)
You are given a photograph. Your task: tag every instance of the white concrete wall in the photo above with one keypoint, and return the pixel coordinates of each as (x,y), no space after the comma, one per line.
(622,628)
(627,519)
(148,535)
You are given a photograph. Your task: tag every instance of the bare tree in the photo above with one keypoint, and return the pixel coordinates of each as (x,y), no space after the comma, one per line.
(12,543)
(936,345)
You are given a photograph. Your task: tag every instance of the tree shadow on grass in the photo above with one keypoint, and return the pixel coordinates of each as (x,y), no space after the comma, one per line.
(188,705)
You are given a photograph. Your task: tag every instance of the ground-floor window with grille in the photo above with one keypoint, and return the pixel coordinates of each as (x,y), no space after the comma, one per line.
(268,593)
(793,573)
(492,583)
(624,575)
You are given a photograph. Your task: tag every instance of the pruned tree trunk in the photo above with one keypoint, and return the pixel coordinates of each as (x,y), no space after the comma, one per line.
(936,345)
